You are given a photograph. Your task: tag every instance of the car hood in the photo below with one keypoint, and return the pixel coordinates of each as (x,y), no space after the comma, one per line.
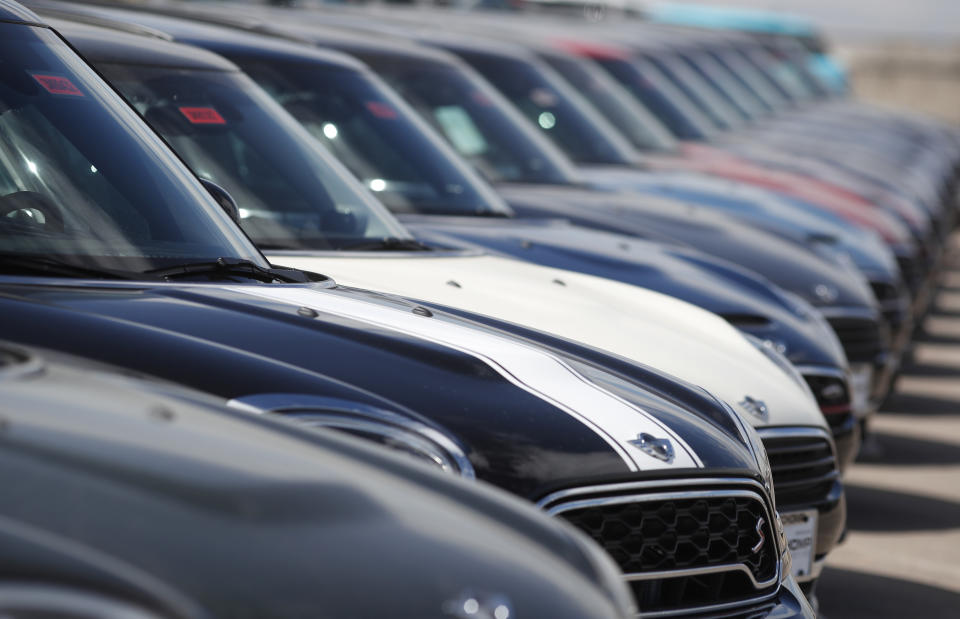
(638,324)
(791,218)
(527,420)
(746,300)
(164,499)
(817,194)
(789,265)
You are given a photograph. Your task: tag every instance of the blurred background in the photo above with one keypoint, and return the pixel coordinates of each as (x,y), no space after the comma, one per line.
(900,52)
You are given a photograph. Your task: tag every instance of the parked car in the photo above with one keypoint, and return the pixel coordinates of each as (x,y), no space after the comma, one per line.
(783,432)
(481,284)
(550,191)
(129,497)
(151,272)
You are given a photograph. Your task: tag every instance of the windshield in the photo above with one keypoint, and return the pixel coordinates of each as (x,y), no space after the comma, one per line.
(777,72)
(480,125)
(698,91)
(372,132)
(749,77)
(550,104)
(84,181)
(730,88)
(652,88)
(618,107)
(291,194)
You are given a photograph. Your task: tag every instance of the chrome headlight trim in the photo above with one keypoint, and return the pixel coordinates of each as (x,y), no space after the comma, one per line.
(430,443)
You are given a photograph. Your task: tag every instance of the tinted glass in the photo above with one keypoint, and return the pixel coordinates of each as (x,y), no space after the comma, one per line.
(546,101)
(617,106)
(369,129)
(83,180)
(660,96)
(696,90)
(291,193)
(729,87)
(749,77)
(481,126)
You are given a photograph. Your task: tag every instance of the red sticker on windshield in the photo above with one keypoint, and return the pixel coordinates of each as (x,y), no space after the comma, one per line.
(57,85)
(203,115)
(480,98)
(381,110)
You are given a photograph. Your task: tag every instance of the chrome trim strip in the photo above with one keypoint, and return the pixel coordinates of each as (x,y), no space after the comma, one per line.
(652,484)
(656,496)
(759,494)
(717,569)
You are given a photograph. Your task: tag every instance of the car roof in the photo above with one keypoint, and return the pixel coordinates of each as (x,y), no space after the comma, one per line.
(363,42)
(16,13)
(103,44)
(225,39)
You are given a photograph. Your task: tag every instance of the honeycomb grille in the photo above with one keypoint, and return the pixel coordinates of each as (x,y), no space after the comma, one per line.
(711,542)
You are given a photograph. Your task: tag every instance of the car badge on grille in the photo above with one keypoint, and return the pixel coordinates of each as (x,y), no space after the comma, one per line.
(755,407)
(763,538)
(659,448)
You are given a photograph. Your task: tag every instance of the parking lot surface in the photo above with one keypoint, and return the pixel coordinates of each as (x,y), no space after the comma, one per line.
(901,557)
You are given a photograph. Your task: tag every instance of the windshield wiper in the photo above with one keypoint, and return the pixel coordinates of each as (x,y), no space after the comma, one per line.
(52,267)
(389,243)
(223,268)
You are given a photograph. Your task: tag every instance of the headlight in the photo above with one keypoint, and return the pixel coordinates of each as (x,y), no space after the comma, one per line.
(770,351)
(609,576)
(392,430)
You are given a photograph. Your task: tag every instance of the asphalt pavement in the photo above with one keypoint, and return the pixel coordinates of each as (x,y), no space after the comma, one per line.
(901,558)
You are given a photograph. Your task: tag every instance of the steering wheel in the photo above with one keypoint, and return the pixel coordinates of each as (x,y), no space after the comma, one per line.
(33,201)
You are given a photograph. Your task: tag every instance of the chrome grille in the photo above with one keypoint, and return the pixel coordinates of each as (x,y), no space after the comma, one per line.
(684,551)
(804,465)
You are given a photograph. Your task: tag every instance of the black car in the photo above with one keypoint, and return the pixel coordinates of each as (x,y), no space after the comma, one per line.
(128,497)
(323,99)
(118,62)
(140,267)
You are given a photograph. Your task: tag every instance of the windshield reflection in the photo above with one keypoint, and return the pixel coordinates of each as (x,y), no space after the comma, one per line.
(290,193)
(374,134)
(83,182)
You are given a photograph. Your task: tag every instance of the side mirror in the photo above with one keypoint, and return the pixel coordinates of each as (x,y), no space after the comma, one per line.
(223,198)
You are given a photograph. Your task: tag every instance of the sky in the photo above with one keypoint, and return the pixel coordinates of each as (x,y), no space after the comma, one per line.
(939,19)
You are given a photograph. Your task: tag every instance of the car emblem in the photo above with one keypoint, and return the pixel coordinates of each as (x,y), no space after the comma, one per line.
(763,538)
(825,293)
(757,408)
(659,448)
